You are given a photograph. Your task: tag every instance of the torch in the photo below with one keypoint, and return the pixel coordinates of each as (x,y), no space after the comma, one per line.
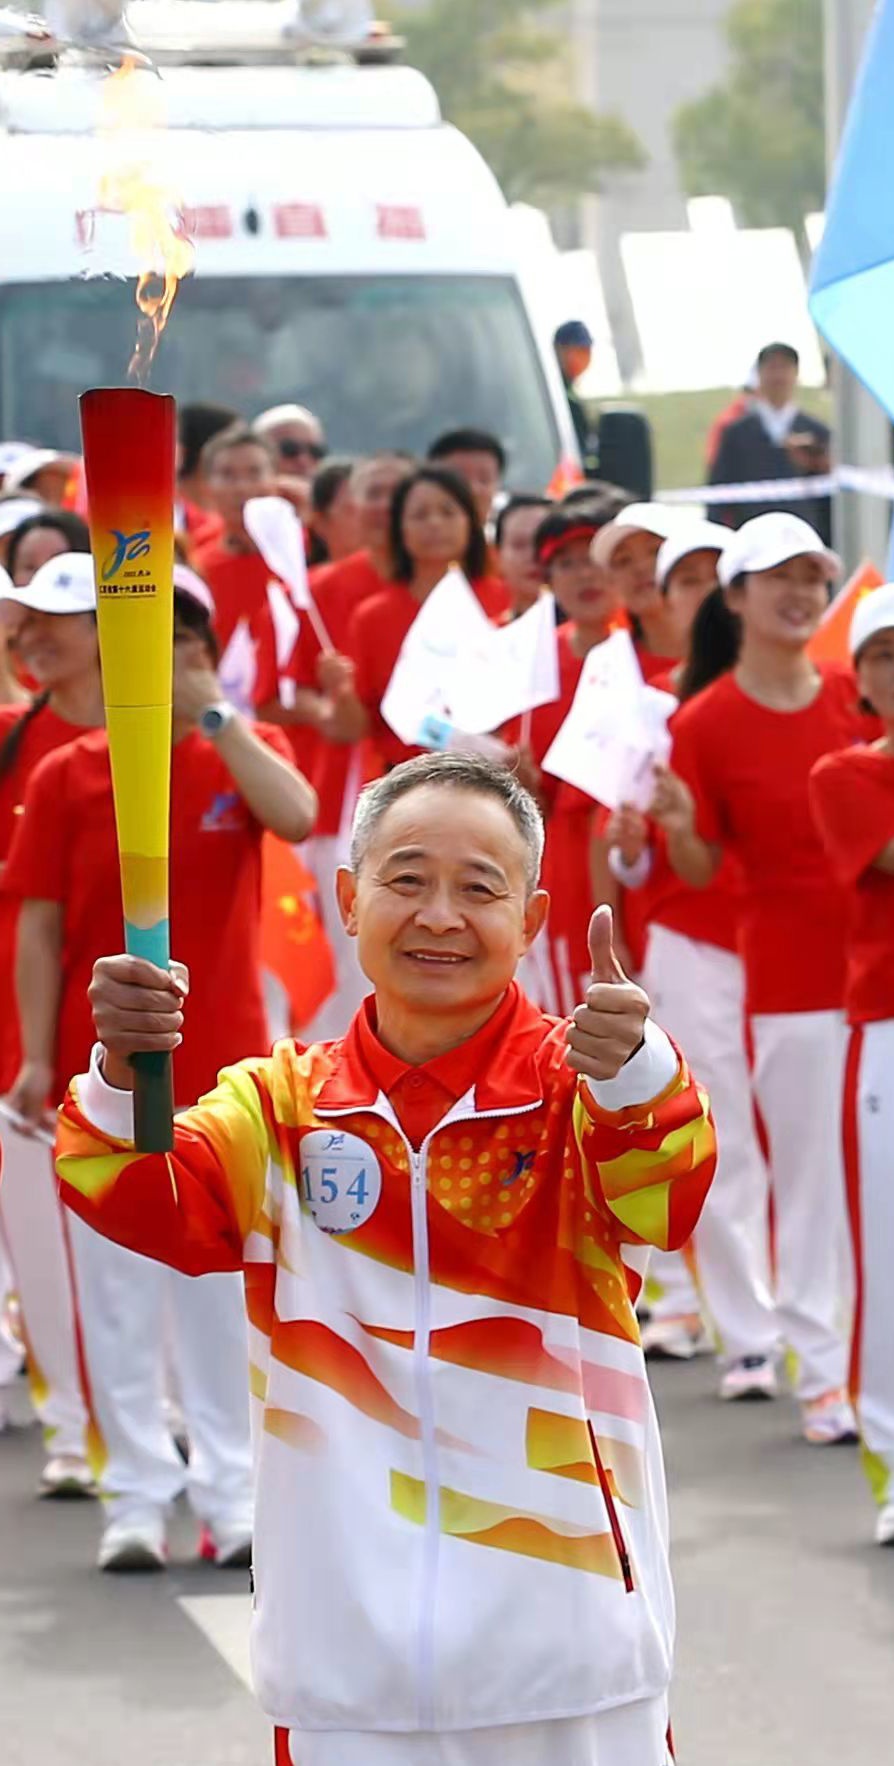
(129,459)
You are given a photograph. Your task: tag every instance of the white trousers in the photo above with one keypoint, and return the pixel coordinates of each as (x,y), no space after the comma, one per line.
(698,996)
(798,1078)
(124,1301)
(10,1350)
(869,1158)
(323,855)
(34,1229)
(633,1735)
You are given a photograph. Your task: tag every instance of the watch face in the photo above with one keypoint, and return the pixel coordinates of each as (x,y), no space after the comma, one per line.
(212,720)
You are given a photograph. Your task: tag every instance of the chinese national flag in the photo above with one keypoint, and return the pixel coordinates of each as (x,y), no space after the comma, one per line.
(830,641)
(294,946)
(566,476)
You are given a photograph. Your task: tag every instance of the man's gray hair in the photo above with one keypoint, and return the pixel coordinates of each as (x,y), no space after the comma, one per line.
(458,772)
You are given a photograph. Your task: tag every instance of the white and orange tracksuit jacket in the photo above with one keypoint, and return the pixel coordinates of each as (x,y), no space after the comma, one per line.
(461,1515)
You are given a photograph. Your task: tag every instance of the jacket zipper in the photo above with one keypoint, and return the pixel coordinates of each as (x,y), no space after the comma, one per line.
(421,1342)
(614,1522)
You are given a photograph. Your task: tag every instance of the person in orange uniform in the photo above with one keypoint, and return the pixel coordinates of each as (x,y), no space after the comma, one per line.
(229,783)
(237,465)
(434,523)
(436,1217)
(51,625)
(583,590)
(693,968)
(628,549)
(742,756)
(335,768)
(852,795)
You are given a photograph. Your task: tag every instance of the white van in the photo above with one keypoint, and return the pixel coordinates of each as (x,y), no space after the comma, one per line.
(353,253)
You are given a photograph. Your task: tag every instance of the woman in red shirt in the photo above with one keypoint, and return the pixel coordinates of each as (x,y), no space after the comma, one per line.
(628,549)
(852,794)
(229,784)
(693,970)
(434,523)
(742,757)
(50,622)
(583,591)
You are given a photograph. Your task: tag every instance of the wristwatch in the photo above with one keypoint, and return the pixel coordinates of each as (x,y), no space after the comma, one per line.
(215,718)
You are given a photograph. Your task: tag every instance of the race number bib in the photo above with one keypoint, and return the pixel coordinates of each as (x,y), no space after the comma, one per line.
(341,1180)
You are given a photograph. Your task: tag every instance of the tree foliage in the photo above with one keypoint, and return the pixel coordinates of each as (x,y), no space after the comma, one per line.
(498,76)
(760,138)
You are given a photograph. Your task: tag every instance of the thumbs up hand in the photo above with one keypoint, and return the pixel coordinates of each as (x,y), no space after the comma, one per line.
(609,1027)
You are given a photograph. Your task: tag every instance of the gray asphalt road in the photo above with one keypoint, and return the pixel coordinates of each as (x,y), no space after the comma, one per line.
(786,1614)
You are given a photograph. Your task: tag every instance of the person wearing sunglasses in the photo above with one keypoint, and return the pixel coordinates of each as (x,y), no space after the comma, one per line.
(296,437)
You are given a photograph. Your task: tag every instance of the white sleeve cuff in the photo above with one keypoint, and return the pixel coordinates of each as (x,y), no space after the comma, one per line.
(632,876)
(106,1108)
(651,1070)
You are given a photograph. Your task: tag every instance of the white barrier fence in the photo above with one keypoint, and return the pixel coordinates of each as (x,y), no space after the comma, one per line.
(870,481)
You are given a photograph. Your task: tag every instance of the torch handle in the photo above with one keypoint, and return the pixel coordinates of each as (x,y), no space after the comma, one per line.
(153,1103)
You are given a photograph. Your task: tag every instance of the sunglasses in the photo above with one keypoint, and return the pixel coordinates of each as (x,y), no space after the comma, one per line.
(293,450)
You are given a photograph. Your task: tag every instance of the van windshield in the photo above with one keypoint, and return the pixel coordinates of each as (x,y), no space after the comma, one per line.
(385,361)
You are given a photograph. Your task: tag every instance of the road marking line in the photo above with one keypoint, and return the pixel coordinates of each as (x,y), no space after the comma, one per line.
(223,1619)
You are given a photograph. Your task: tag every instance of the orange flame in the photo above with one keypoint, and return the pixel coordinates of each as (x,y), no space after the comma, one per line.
(132,110)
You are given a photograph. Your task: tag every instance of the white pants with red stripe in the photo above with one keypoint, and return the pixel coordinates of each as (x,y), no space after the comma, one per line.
(869,1158)
(798,1079)
(632,1735)
(34,1229)
(126,1304)
(698,995)
(323,855)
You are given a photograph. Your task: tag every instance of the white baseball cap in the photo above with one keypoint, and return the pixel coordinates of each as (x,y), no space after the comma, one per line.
(190,583)
(15,510)
(654,518)
(692,536)
(11,452)
(30,460)
(64,584)
(874,614)
(773,539)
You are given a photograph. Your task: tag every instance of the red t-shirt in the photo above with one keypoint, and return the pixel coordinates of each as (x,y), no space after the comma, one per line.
(197,526)
(238,581)
(852,797)
(749,768)
(653,668)
(42,734)
(569,815)
(65,850)
(377,631)
(338,590)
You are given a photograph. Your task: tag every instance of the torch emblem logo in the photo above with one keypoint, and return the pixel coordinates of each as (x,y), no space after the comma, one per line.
(129,548)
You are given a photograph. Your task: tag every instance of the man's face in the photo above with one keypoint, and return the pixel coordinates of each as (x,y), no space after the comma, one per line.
(440,907)
(235,475)
(299,446)
(374,486)
(575,359)
(519,568)
(875,673)
(481,473)
(778,380)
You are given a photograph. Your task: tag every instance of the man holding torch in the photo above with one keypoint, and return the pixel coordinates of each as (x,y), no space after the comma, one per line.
(461,1529)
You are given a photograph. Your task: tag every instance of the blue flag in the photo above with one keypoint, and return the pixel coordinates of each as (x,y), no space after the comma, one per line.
(852,284)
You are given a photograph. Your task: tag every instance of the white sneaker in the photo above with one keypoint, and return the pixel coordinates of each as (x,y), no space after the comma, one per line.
(884,1526)
(134,1545)
(66,1478)
(829,1421)
(674,1339)
(228,1547)
(753,1377)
